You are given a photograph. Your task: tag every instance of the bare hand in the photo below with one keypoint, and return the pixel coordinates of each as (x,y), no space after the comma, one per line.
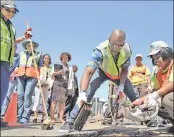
(138,102)
(61,72)
(12,77)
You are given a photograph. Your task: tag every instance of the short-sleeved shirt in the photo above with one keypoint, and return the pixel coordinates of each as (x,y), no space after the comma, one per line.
(97,60)
(136,76)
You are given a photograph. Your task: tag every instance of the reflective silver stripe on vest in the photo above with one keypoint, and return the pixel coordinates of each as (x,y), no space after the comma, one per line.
(105,60)
(23,65)
(5,40)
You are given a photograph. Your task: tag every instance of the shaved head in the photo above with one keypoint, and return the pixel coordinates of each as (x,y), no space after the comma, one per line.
(118,34)
(116,41)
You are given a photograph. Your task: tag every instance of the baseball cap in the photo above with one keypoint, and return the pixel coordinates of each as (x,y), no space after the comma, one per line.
(9,4)
(138,55)
(156,47)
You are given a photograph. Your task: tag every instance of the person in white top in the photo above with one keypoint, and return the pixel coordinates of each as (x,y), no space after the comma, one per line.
(44,79)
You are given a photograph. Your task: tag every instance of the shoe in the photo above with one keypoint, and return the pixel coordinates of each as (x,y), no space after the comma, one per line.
(4,124)
(157,122)
(170,129)
(24,121)
(34,120)
(66,127)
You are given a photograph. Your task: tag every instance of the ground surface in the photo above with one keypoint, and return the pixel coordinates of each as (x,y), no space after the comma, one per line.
(95,129)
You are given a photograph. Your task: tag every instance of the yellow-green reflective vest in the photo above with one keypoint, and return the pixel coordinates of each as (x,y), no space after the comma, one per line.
(7,42)
(112,69)
(30,62)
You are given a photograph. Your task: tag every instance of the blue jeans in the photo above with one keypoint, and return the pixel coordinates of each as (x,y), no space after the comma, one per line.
(25,91)
(96,83)
(5,76)
(6,102)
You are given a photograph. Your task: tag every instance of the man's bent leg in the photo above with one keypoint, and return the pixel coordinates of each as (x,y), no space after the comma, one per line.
(93,86)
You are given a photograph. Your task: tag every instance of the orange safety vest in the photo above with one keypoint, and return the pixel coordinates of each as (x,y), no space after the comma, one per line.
(162,77)
(26,67)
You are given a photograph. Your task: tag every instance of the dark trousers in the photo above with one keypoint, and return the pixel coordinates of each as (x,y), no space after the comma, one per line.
(69,105)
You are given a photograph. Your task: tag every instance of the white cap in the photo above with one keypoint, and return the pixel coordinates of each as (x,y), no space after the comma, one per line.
(156,47)
(9,4)
(139,55)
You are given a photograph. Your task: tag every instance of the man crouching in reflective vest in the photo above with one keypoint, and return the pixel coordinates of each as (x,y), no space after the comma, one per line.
(27,80)
(111,59)
(163,58)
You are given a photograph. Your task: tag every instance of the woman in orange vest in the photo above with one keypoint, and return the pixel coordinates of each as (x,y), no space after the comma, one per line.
(27,80)
(162,57)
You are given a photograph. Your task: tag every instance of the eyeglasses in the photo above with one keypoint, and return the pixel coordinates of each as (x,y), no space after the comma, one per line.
(9,11)
(115,44)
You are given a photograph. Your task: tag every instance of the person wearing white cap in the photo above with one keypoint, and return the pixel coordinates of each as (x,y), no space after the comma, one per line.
(139,75)
(155,47)
(163,58)
(8,40)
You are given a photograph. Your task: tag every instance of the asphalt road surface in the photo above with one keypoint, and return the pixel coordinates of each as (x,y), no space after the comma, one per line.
(95,129)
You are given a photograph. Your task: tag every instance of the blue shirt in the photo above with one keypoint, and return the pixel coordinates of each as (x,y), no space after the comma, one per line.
(40,64)
(97,59)
(16,59)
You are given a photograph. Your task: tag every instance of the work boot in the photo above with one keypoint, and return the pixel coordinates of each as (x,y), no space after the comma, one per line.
(4,124)
(66,127)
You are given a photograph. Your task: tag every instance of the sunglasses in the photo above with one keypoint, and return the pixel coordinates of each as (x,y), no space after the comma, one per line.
(9,11)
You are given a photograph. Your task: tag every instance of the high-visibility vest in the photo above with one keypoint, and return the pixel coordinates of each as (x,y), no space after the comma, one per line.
(153,78)
(7,42)
(26,67)
(162,77)
(109,67)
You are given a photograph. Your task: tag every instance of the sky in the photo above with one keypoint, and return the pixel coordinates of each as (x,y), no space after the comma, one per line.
(78,27)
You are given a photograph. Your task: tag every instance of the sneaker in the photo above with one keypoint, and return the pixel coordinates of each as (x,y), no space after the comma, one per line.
(66,127)
(170,129)
(4,124)
(157,122)
(24,121)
